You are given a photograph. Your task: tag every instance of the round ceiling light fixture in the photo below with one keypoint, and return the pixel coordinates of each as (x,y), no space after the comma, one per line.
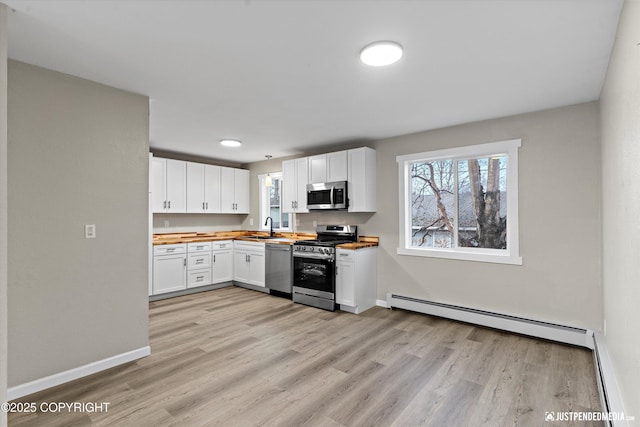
(379,54)
(230,142)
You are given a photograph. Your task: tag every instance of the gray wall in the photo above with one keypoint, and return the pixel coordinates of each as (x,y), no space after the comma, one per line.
(78,154)
(559,221)
(620,113)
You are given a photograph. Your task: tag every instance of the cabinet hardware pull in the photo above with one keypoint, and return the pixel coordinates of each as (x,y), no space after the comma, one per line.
(199,261)
(169,204)
(214,258)
(199,278)
(184,262)
(207,203)
(171,249)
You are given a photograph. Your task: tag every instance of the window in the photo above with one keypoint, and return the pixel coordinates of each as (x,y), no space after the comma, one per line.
(461,203)
(271,203)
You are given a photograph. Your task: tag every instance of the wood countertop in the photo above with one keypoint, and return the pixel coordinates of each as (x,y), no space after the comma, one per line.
(249,236)
(176,238)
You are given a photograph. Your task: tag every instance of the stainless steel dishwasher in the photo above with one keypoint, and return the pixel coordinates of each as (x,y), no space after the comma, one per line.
(279,269)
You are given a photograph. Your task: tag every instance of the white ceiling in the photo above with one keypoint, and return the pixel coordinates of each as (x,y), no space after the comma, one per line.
(283,76)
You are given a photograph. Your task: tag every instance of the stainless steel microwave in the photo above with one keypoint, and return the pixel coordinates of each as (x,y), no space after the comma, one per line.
(327,195)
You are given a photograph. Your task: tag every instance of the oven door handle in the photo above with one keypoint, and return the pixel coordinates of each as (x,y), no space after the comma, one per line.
(310,256)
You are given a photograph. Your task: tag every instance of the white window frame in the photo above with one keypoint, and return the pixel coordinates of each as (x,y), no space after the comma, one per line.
(511,255)
(263,197)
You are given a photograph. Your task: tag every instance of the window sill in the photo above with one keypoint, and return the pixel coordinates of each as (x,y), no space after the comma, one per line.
(462,255)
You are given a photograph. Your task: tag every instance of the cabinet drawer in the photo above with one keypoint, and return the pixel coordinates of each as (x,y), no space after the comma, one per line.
(199,260)
(222,244)
(199,247)
(345,255)
(199,278)
(180,248)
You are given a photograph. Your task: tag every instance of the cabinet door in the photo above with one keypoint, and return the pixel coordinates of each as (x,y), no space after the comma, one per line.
(227,198)
(222,266)
(169,273)
(241,185)
(212,188)
(195,188)
(318,169)
(362,180)
(158,184)
(302,173)
(345,283)
(337,166)
(256,267)
(241,272)
(290,186)
(176,186)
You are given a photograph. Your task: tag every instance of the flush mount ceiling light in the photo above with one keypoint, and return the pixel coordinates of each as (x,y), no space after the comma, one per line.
(382,53)
(230,143)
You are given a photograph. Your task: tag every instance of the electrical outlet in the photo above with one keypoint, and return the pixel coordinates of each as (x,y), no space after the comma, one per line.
(250,221)
(89,231)
(315,224)
(166,223)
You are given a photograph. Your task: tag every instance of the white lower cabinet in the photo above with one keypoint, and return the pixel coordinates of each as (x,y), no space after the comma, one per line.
(356,283)
(198,264)
(169,268)
(222,261)
(249,262)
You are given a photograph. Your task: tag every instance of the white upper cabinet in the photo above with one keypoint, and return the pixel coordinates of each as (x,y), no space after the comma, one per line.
(168,185)
(234,196)
(337,166)
(318,169)
(177,186)
(294,191)
(212,188)
(361,188)
(203,188)
(328,167)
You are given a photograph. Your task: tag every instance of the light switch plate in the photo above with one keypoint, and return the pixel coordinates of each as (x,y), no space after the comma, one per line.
(89,231)
(315,224)
(250,221)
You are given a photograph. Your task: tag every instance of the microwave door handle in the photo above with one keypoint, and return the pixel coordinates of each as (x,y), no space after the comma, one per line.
(331,196)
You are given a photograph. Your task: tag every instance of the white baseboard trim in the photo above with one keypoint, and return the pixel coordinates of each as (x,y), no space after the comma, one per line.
(607,383)
(382,303)
(535,328)
(75,373)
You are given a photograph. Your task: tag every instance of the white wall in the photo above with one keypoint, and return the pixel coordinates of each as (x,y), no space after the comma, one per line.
(620,115)
(78,154)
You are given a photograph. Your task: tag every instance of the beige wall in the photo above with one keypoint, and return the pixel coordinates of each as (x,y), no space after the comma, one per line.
(78,154)
(620,114)
(559,221)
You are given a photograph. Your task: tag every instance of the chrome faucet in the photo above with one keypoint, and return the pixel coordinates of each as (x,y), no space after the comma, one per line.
(270,226)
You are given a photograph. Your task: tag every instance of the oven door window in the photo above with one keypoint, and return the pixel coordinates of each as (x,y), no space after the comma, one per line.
(318,274)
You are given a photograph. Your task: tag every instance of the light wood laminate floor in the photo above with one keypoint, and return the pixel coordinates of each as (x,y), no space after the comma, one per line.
(235,357)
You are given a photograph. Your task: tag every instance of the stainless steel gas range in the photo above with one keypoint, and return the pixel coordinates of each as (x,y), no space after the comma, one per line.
(314,278)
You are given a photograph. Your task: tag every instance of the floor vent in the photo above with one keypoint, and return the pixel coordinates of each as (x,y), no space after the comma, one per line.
(535,328)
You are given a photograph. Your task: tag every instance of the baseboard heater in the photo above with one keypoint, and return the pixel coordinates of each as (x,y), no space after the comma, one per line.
(535,328)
